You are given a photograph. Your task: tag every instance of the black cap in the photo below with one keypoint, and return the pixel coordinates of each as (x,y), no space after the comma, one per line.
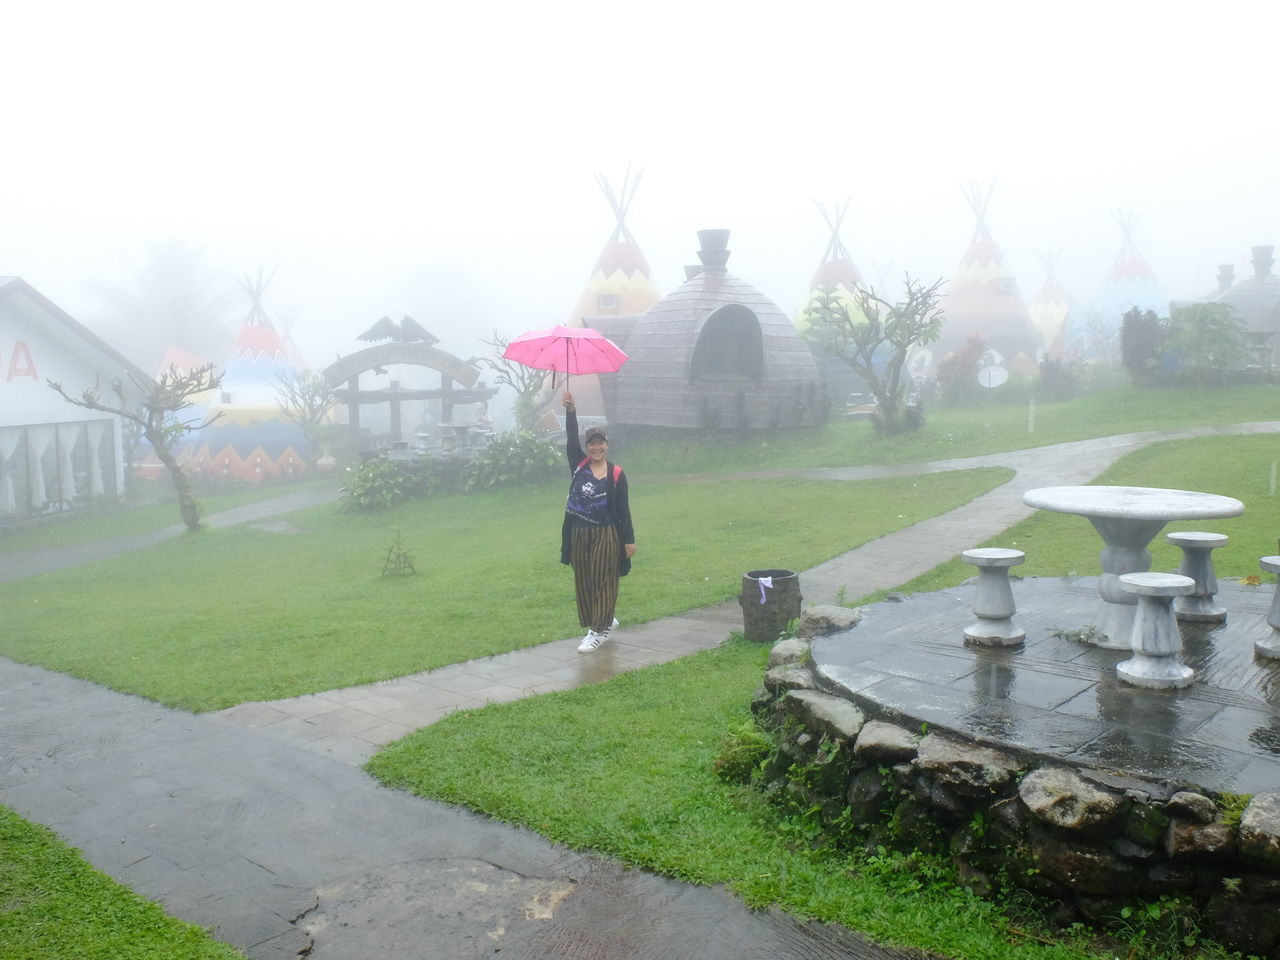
(596,432)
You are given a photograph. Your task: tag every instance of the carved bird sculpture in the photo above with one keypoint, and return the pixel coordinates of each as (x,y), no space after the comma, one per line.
(408,330)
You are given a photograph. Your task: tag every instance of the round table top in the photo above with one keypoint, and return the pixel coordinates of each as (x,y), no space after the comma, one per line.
(1133,503)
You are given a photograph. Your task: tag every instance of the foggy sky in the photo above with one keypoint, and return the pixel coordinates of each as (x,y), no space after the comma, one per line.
(403,159)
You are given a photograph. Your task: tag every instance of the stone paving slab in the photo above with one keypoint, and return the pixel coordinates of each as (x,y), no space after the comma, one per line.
(1058,698)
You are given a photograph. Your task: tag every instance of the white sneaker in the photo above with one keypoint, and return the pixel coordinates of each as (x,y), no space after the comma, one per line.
(607,633)
(591,641)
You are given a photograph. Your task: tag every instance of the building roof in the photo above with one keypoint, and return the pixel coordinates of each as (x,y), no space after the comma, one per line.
(15,289)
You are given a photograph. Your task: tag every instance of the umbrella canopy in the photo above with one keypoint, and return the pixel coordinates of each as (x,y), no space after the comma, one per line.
(566,350)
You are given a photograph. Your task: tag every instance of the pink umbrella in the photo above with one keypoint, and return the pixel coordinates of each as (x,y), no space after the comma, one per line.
(566,350)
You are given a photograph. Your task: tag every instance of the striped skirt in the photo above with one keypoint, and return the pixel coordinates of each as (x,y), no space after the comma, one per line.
(593,553)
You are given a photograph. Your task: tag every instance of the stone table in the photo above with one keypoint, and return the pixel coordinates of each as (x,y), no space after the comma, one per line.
(1127,519)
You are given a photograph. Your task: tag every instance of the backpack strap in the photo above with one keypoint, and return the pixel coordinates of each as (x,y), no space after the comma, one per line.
(617,470)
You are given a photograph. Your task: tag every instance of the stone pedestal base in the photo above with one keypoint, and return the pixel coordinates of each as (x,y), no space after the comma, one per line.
(1156,639)
(994,633)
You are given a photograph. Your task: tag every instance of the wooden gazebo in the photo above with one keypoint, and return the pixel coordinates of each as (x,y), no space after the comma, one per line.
(414,346)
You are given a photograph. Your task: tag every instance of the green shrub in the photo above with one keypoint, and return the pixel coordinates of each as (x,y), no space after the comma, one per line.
(514,459)
(743,752)
(379,484)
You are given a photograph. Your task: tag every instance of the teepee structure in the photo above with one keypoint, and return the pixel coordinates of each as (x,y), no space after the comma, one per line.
(1051,309)
(836,271)
(837,268)
(838,277)
(251,441)
(618,290)
(983,299)
(1095,329)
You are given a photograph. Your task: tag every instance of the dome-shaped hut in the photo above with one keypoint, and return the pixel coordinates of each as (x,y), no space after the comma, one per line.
(715,354)
(983,299)
(1255,302)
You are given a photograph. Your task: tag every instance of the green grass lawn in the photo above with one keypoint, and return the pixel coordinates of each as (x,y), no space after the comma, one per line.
(55,906)
(107,522)
(960,432)
(1059,544)
(224,616)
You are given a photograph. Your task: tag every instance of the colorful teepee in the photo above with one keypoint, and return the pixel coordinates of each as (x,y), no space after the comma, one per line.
(618,290)
(983,299)
(1094,331)
(1051,309)
(251,441)
(836,272)
(836,276)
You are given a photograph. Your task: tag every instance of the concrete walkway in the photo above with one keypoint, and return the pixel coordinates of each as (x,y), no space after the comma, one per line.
(256,822)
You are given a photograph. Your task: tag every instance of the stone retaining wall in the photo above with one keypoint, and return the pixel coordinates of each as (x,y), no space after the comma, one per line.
(1088,842)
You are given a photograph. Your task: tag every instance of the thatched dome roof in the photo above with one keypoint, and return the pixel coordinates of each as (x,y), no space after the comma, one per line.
(715,353)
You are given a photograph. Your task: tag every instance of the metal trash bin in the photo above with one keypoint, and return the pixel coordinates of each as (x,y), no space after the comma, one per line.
(770,599)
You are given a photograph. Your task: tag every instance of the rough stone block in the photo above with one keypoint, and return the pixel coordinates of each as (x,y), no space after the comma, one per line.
(789,676)
(1185,838)
(1144,825)
(1250,926)
(791,650)
(880,742)
(1059,797)
(823,713)
(823,619)
(967,768)
(1083,866)
(1167,878)
(948,803)
(1196,807)
(1260,831)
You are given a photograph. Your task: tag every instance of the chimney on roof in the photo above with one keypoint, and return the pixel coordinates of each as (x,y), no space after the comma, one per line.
(1226,276)
(714,254)
(1262,261)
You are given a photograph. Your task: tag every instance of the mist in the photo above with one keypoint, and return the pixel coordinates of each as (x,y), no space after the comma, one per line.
(440,164)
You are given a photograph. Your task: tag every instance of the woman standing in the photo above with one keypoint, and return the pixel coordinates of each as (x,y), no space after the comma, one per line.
(597,539)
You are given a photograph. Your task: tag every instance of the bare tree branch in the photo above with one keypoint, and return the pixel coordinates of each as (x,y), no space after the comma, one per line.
(155,412)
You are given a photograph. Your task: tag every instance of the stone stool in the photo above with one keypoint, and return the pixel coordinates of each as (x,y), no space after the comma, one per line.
(1270,647)
(993,602)
(1157,640)
(1197,564)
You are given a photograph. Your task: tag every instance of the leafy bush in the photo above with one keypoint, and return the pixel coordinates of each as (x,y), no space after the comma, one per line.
(1059,381)
(378,484)
(958,373)
(513,459)
(743,752)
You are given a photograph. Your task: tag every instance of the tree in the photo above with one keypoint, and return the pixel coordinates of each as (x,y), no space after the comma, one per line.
(306,399)
(525,381)
(875,336)
(156,414)
(1208,339)
(1142,337)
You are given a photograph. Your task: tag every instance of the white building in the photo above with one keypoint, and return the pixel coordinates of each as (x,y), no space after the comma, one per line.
(54,455)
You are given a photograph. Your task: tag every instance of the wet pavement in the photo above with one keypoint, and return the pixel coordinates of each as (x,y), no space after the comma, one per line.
(1058,698)
(257,823)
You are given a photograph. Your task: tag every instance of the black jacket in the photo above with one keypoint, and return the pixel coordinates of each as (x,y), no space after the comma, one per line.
(619,505)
